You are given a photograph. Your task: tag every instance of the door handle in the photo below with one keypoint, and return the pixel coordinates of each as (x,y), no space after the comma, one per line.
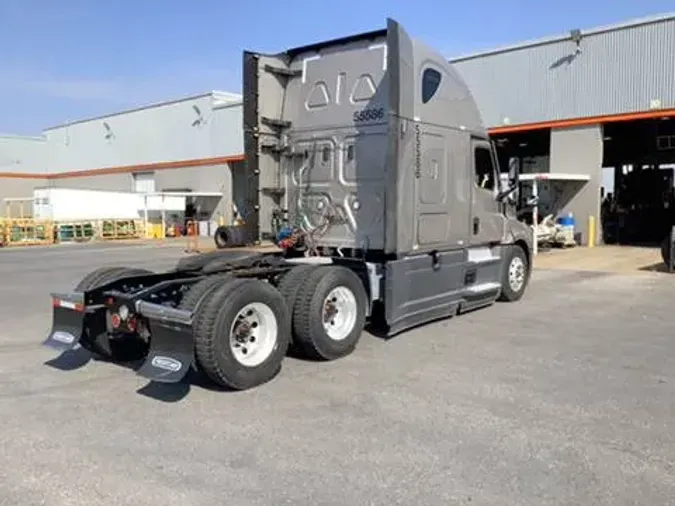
(476,225)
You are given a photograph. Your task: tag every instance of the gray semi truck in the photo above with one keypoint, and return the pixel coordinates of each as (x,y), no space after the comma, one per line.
(376,149)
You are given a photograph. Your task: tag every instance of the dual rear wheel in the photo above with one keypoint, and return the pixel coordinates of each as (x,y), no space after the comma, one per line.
(244,327)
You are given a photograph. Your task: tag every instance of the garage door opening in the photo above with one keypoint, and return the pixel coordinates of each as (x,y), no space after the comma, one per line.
(638,197)
(530,151)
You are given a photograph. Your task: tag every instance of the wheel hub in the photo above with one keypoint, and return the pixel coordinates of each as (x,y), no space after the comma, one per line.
(253,334)
(339,313)
(516,274)
(330,310)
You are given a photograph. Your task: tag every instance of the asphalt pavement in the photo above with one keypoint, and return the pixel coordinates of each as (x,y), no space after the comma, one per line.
(565,398)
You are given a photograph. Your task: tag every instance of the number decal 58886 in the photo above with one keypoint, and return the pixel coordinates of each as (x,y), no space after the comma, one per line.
(368,115)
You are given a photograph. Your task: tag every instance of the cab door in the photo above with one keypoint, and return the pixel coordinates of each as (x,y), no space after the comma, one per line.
(487,220)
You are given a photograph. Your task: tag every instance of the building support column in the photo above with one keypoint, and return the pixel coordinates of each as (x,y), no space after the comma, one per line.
(579,150)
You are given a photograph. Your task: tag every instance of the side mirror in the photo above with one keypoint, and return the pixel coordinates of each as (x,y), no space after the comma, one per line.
(514,170)
(507,192)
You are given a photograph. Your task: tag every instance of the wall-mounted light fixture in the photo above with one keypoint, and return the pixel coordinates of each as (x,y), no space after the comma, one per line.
(109,133)
(576,37)
(200,117)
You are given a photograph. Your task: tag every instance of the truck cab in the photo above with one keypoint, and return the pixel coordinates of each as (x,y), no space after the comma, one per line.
(374,146)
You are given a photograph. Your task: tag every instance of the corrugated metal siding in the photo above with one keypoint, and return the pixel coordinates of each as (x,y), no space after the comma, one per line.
(169,132)
(23,154)
(617,72)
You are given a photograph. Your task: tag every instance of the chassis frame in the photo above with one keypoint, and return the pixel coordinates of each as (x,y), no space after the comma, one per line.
(82,318)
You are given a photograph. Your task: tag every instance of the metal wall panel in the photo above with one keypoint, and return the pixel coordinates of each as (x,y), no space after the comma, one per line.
(617,71)
(26,155)
(17,188)
(227,135)
(123,182)
(182,130)
(578,150)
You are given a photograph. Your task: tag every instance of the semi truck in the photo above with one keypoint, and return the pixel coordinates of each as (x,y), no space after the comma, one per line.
(396,218)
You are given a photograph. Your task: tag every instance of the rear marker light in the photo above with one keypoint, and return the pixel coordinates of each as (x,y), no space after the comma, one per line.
(124,312)
(68,305)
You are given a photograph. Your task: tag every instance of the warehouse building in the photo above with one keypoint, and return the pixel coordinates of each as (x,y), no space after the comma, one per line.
(584,103)
(595,108)
(188,145)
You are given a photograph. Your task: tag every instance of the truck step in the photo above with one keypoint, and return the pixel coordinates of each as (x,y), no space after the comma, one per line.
(482,255)
(483,287)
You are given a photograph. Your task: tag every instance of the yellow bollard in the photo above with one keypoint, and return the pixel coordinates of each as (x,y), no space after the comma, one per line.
(591,231)
(149,230)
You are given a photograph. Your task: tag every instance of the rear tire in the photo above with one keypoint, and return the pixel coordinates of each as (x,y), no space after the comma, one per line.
(220,237)
(126,349)
(92,279)
(196,297)
(289,286)
(229,236)
(516,274)
(242,334)
(330,313)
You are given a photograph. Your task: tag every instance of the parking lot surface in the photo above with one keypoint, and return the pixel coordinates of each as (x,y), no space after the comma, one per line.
(566,397)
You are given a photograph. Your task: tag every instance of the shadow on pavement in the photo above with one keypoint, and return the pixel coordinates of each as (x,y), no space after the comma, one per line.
(77,358)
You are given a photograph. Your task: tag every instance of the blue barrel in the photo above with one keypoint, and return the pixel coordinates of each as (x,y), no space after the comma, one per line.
(567,224)
(567,221)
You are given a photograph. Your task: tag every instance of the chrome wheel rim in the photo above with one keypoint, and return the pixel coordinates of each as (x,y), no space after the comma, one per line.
(516,274)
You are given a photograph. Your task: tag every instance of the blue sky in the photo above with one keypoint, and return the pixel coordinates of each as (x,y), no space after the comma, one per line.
(62,60)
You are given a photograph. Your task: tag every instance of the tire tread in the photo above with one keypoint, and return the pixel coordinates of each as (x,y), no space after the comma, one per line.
(307,306)
(206,332)
(290,286)
(506,294)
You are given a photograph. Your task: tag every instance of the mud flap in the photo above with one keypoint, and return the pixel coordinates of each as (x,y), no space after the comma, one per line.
(171,344)
(68,321)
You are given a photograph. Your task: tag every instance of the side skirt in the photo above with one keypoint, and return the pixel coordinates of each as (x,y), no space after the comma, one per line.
(422,288)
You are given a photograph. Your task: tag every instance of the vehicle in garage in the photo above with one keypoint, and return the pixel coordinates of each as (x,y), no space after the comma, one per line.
(397,216)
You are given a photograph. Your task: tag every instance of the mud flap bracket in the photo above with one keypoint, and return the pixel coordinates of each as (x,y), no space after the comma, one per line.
(171,344)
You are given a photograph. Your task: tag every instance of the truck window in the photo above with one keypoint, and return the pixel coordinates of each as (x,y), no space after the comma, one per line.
(485,174)
(431,80)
